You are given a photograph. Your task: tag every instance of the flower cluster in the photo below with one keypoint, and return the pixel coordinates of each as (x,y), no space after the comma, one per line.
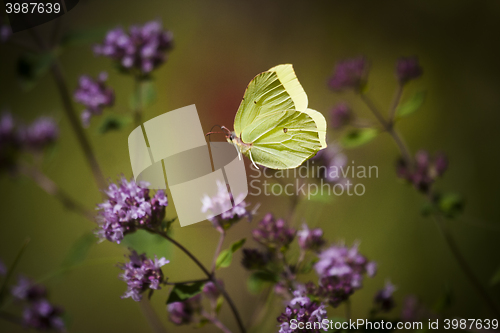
(190,310)
(310,239)
(305,311)
(142,48)
(38,312)
(341,115)
(384,299)
(425,170)
(129,207)
(408,69)
(333,160)
(332,289)
(141,274)
(41,133)
(222,202)
(94,95)
(272,233)
(342,261)
(349,74)
(184,313)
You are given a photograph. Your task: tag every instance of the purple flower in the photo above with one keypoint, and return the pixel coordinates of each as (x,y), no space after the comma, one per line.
(26,290)
(211,291)
(310,239)
(142,48)
(273,233)
(41,133)
(341,115)
(332,162)
(383,299)
(349,74)
(5,30)
(129,207)
(223,203)
(182,313)
(141,274)
(332,289)
(408,69)
(43,316)
(3,268)
(9,140)
(94,95)
(343,261)
(254,259)
(305,311)
(38,313)
(425,170)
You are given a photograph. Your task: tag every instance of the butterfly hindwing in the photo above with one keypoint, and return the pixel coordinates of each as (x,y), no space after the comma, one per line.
(282,139)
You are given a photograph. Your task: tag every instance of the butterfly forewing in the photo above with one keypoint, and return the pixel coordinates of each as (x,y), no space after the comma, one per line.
(264,94)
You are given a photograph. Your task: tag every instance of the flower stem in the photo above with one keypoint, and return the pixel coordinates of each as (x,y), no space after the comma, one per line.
(395,103)
(452,245)
(216,322)
(218,249)
(138,107)
(76,124)
(450,241)
(210,276)
(151,316)
(52,189)
(389,127)
(186,282)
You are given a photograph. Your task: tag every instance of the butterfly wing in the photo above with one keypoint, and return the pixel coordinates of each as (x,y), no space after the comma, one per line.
(282,139)
(275,90)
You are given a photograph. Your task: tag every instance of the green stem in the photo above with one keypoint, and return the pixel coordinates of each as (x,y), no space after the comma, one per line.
(209,275)
(216,322)
(452,245)
(218,249)
(52,189)
(10,272)
(449,240)
(395,103)
(74,121)
(151,316)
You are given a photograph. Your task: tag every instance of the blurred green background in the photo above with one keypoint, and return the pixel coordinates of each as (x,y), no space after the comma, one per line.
(219,47)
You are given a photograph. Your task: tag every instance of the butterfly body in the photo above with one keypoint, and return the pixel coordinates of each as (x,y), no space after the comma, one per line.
(273,126)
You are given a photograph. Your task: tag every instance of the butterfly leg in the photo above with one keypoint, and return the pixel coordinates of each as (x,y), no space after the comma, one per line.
(237,150)
(251,159)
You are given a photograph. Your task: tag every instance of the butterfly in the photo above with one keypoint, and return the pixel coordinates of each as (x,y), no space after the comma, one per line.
(273,126)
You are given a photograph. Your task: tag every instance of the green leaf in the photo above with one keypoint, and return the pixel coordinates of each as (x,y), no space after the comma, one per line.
(144,96)
(151,244)
(412,105)
(225,257)
(113,123)
(31,67)
(79,250)
(496,278)
(182,292)
(357,137)
(257,280)
(218,306)
(83,37)
(451,204)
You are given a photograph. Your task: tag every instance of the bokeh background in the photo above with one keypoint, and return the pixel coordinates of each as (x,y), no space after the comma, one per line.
(219,46)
